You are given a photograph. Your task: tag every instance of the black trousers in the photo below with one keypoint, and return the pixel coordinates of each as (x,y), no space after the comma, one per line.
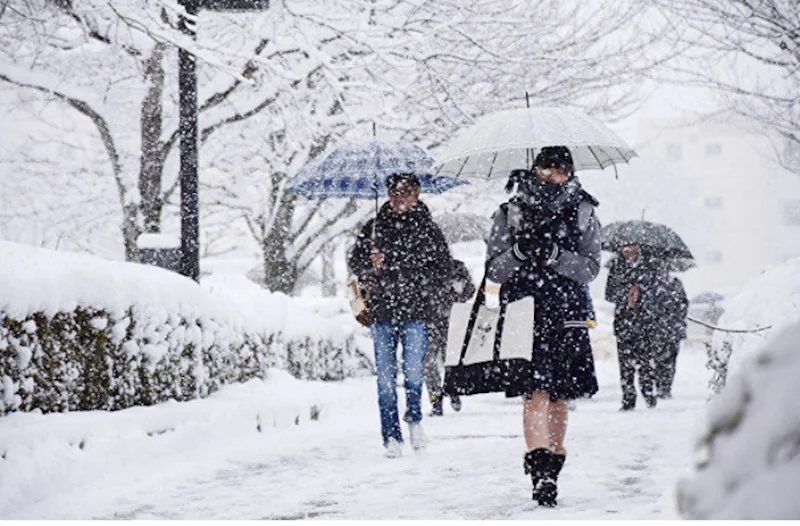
(636,353)
(435,355)
(666,360)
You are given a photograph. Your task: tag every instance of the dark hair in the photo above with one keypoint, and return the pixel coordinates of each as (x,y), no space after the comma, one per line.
(395,180)
(516,178)
(555,157)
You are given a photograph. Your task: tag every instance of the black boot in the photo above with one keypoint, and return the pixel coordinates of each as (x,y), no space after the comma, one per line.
(547,490)
(544,467)
(628,402)
(455,403)
(532,468)
(436,403)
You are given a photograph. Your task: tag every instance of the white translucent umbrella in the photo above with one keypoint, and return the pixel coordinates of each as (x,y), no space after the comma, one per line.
(507,140)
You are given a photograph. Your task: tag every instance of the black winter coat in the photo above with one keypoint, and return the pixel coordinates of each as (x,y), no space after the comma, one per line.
(459,287)
(641,321)
(416,262)
(674,307)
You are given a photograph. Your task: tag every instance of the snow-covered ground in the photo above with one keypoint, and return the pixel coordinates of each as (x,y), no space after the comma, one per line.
(252,451)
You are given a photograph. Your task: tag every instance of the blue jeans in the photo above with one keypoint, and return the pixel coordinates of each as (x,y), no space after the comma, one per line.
(414,337)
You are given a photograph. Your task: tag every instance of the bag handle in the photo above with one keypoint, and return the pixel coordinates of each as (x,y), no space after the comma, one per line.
(480,299)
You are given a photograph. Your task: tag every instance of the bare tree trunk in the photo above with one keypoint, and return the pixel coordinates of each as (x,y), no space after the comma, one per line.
(280,274)
(130,231)
(328,275)
(152,156)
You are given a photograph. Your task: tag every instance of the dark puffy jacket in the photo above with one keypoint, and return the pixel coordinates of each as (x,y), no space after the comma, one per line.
(644,318)
(459,287)
(416,261)
(674,307)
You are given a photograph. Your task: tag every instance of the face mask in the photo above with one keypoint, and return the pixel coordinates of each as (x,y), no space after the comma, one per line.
(544,191)
(552,196)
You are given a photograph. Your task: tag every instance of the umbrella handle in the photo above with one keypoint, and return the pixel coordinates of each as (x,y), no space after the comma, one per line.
(375,220)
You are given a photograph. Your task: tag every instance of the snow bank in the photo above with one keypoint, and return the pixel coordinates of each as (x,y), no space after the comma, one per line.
(80,332)
(750,452)
(772,299)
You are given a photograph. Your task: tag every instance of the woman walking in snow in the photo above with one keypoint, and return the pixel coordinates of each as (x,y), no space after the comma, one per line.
(545,243)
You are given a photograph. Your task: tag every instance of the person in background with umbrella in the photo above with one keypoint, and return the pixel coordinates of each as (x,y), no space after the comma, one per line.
(674,306)
(633,288)
(545,243)
(401,256)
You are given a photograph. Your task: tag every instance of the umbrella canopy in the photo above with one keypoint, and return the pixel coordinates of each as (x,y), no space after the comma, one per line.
(680,264)
(672,264)
(662,241)
(359,170)
(464,227)
(506,140)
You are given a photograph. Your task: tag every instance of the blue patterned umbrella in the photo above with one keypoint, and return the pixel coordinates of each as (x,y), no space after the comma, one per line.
(360,170)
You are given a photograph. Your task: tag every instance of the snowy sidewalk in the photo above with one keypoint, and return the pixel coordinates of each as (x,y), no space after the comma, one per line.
(207,459)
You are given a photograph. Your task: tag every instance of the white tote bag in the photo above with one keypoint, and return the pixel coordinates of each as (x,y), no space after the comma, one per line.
(516,340)
(478,360)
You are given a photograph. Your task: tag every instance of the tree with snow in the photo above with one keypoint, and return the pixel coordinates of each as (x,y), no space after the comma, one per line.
(748,53)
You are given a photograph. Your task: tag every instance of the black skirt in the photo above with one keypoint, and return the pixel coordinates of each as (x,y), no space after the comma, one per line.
(562,365)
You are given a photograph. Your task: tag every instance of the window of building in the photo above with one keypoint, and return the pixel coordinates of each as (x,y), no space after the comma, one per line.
(713,148)
(674,151)
(791,213)
(714,202)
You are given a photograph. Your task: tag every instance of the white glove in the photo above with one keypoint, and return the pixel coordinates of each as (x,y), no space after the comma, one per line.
(492,292)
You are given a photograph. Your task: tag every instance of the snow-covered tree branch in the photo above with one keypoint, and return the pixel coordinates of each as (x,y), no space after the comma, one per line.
(747,51)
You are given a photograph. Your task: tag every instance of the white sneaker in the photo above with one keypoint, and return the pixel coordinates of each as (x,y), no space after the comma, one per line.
(394,449)
(417,437)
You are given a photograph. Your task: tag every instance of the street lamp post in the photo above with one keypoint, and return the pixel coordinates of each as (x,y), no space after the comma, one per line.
(187,94)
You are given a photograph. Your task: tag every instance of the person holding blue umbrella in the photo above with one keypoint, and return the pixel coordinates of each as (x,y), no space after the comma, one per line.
(399,258)
(402,258)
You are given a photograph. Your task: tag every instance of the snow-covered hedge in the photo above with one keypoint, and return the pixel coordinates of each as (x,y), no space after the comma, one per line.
(771,299)
(78,332)
(749,466)
(749,449)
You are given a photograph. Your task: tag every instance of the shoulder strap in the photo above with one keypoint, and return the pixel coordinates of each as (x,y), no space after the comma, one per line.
(589,197)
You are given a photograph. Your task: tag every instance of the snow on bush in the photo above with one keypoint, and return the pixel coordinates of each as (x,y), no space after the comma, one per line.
(773,298)
(80,332)
(750,466)
(315,347)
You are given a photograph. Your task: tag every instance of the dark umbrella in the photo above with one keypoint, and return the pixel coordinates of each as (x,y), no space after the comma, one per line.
(660,241)
(672,264)
(680,264)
